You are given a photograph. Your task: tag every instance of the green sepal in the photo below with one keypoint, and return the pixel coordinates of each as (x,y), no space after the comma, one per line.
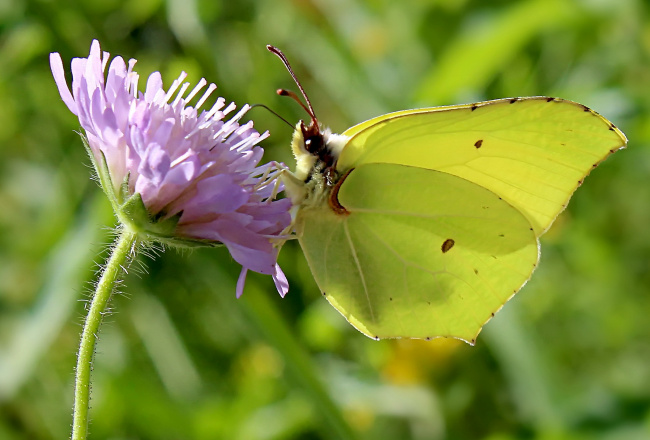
(101,168)
(124,193)
(133,214)
(187,243)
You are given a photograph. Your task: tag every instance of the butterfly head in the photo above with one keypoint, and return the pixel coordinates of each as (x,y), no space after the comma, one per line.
(315,149)
(313,139)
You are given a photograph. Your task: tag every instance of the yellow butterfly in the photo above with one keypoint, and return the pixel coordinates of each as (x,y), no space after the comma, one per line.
(423,223)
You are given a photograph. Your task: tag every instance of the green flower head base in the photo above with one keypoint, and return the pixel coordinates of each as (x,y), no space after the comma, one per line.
(174,174)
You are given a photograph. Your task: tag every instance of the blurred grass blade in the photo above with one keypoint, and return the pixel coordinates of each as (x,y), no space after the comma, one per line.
(165,347)
(525,368)
(185,23)
(300,366)
(475,57)
(68,267)
(267,319)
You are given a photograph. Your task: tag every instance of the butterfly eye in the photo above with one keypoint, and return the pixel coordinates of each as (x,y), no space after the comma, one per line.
(314,144)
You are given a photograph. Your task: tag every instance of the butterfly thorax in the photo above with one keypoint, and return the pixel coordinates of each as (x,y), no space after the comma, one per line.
(316,152)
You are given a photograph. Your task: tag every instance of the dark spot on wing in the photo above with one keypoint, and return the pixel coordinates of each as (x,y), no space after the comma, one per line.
(493,314)
(549,99)
(476,271)
(428,338)
(324,294)
(474,107)
(513,100)
(391,298)
(501,235)
(478,143)
(585,108)
(376,338)
(448,244)
(612,127)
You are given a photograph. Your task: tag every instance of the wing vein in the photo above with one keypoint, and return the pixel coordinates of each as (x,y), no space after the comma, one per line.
(520,189)
(405,264)
(358,264)
(326,250)
(409,214)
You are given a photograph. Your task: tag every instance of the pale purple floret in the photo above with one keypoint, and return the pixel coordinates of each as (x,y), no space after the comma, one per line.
(181,161)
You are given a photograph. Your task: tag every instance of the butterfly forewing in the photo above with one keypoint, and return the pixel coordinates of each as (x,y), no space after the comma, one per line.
(532,152)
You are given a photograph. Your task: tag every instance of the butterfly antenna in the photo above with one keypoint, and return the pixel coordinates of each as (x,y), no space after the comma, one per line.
(282,92)
(292,95)
(273,112)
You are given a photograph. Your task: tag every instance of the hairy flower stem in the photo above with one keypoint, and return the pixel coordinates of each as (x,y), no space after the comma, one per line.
(114,269)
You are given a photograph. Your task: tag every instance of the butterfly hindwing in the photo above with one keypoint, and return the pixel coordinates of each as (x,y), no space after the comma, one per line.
(418,253)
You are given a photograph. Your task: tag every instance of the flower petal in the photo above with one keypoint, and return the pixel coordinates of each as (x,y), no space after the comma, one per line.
(56,65)
(240,282)
(280,281)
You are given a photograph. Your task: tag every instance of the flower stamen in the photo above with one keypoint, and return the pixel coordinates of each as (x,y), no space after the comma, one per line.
(172,90)
(202,82)
(179,96)
(211,88)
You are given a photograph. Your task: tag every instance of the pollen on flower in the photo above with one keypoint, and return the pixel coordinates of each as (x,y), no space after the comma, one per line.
(195,172)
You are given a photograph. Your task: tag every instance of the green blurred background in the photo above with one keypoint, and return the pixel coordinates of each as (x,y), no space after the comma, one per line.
(181,358)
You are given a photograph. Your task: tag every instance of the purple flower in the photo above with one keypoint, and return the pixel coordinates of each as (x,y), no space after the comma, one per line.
(173,174)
